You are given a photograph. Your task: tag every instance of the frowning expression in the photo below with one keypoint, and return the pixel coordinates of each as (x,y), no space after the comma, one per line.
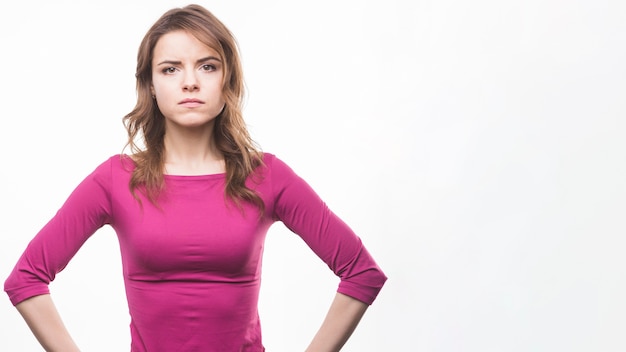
(187,79)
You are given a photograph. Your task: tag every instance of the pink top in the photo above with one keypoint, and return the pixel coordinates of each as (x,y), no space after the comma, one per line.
(192,268)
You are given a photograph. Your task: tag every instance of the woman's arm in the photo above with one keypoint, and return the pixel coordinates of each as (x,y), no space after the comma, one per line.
(297,205)
(44,321)
(343,316)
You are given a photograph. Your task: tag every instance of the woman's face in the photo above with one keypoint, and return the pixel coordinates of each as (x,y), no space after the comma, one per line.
(186,80)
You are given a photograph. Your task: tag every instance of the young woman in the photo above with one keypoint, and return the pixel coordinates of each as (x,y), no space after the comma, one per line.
(191,209)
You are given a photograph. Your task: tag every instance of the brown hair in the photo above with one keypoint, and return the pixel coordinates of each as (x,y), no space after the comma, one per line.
(230,133)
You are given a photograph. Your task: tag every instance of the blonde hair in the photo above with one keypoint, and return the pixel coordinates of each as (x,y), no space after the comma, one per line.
(230,134)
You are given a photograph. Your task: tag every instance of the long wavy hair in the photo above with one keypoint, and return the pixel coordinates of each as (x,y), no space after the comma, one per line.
(147,122)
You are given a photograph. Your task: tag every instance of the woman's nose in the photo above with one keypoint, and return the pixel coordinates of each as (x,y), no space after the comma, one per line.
(190,82)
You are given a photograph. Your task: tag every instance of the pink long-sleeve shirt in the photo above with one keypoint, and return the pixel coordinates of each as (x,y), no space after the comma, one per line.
(192,266)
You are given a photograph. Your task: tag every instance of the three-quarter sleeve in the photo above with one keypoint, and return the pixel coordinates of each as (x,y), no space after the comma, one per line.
(298,206)
(86,210)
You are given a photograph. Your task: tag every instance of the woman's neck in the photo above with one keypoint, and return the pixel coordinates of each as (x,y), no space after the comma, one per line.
(192,151)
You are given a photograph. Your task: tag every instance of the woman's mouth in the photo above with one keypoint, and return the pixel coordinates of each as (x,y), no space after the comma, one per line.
(190,102)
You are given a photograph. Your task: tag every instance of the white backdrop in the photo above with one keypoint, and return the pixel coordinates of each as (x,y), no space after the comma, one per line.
(476,147)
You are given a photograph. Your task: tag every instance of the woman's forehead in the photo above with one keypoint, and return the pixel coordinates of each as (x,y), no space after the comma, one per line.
(182,44)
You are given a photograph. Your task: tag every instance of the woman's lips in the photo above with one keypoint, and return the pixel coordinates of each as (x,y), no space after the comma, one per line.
(191,103)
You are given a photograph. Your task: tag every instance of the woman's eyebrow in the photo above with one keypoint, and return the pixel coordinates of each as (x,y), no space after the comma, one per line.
(204,59)
(209,58)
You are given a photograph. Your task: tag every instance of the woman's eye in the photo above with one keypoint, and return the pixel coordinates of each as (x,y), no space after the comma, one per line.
(208,67)
(169,70)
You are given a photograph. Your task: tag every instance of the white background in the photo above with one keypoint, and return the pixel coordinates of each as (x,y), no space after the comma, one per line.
(477,147)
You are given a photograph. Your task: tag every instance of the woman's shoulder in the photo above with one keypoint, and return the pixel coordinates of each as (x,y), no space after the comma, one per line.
(275,166)
(268,158)
(115,164)
(271,162)
(121,161)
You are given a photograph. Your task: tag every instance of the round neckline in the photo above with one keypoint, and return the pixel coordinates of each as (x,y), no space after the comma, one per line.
(194,177)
